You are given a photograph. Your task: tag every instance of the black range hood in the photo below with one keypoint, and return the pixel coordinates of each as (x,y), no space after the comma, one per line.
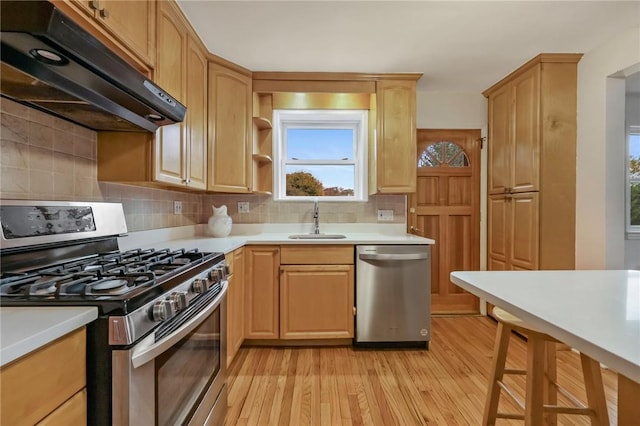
(51,63)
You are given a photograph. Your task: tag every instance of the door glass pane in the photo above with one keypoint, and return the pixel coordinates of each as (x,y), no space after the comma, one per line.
(443,153)
(320,144)
(329,180)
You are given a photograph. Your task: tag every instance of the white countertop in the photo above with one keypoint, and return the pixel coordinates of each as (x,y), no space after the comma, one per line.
(23,330)
(595,312)
(197,236)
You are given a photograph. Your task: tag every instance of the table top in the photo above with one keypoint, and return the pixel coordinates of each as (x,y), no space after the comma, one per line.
(595,312)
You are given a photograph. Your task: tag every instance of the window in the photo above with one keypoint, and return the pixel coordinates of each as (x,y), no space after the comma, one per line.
(320,153)
(443,153)
(633,182)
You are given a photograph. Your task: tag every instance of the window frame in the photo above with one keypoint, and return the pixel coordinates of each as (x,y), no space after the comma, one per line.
(632,231)
(284,119)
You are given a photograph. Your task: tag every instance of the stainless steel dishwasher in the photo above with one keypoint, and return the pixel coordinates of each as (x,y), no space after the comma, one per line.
(393,295)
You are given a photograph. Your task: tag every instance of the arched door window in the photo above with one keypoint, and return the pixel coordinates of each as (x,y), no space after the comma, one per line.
(443,153)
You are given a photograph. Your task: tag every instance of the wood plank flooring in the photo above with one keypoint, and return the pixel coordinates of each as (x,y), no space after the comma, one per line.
(340,386)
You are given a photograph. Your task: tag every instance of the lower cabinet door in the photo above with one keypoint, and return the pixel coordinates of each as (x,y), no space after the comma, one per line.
(316,301)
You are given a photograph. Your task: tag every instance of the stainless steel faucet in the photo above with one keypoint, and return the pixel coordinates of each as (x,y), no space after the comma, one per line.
(316,217)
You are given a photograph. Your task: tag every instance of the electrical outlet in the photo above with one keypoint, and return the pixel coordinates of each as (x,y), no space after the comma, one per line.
(243,207)
(385,215)
(177,207)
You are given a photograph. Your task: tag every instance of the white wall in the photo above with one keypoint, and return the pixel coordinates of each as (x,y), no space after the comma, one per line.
(449,110)
(599,181)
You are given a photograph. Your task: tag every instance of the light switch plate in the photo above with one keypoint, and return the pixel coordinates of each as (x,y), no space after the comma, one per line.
(243,207)
(177,207)
(385,215)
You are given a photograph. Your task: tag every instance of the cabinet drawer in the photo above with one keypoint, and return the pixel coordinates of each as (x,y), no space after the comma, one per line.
(72,412)
(308,254)
(31,388)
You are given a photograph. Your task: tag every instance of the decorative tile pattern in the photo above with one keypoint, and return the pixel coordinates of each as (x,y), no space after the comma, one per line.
(43,157)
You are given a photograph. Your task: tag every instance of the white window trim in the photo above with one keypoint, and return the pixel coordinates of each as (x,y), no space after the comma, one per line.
(633,231)
(353,119)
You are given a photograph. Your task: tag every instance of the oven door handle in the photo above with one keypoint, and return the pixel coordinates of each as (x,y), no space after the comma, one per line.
(144,353)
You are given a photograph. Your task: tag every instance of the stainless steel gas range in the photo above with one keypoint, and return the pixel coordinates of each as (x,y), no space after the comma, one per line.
(156,354)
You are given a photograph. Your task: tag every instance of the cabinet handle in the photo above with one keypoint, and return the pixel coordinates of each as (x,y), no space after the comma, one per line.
(414,229)
(94,4)
(104,13)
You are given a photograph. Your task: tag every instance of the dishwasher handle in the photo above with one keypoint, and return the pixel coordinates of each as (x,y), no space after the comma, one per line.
(399,257)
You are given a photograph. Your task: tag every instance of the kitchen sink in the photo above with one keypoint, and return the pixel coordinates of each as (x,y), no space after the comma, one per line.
(317,236)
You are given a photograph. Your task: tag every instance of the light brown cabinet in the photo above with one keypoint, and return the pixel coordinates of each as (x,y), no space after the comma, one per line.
(316,292)
(235,303)
(262,288)
(32,391)
(177,156)
(513,226)
(230,130)
(532,165)
(130,23)
(393,162)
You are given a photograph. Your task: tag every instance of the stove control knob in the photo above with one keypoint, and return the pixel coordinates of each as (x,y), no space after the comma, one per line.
(214,275)
(179,300)
(162,311)
(200,285)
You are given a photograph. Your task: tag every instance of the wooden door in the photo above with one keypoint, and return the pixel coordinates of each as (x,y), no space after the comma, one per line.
(446,208)
(196,119)
(262,294)
(170,160)
(230,130)
(316,301)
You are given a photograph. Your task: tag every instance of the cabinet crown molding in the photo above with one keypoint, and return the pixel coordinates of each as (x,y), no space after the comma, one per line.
(569,58)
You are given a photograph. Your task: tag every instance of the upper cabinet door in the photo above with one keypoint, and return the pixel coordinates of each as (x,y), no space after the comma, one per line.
(230,130)
(170,158)
(396,136)
(526,132)
(196,119)
(133,22)
(499,149)
(514,135)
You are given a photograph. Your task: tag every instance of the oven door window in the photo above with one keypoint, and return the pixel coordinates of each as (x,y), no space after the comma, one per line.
(185,372)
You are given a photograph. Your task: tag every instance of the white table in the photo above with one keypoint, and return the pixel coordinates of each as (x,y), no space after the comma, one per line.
(595,312)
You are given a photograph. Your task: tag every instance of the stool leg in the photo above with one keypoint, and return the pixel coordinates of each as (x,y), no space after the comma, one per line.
(500,348)
(595,390)
(550,390)
(535,380)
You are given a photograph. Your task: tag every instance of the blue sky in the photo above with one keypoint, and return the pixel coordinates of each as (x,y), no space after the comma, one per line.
(634,145)
(323,144)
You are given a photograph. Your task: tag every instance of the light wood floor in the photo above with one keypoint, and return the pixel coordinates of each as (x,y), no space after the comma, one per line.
(445,385)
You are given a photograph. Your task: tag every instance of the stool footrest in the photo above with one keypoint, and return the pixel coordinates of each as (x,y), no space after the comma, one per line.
(567,410)
(515,371)
(514,397)
(510,416)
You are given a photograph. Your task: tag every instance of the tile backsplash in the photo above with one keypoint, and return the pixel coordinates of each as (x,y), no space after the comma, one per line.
(47,158)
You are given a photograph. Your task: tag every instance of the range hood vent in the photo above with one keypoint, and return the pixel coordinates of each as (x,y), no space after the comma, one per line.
(51,63)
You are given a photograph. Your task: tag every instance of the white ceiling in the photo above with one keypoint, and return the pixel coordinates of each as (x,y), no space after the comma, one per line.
(459,46)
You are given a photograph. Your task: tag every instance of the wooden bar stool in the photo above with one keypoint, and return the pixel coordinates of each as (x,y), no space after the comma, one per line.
(540,403)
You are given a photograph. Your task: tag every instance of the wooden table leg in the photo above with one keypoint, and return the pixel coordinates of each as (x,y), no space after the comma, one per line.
(628,401)
(535,380)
